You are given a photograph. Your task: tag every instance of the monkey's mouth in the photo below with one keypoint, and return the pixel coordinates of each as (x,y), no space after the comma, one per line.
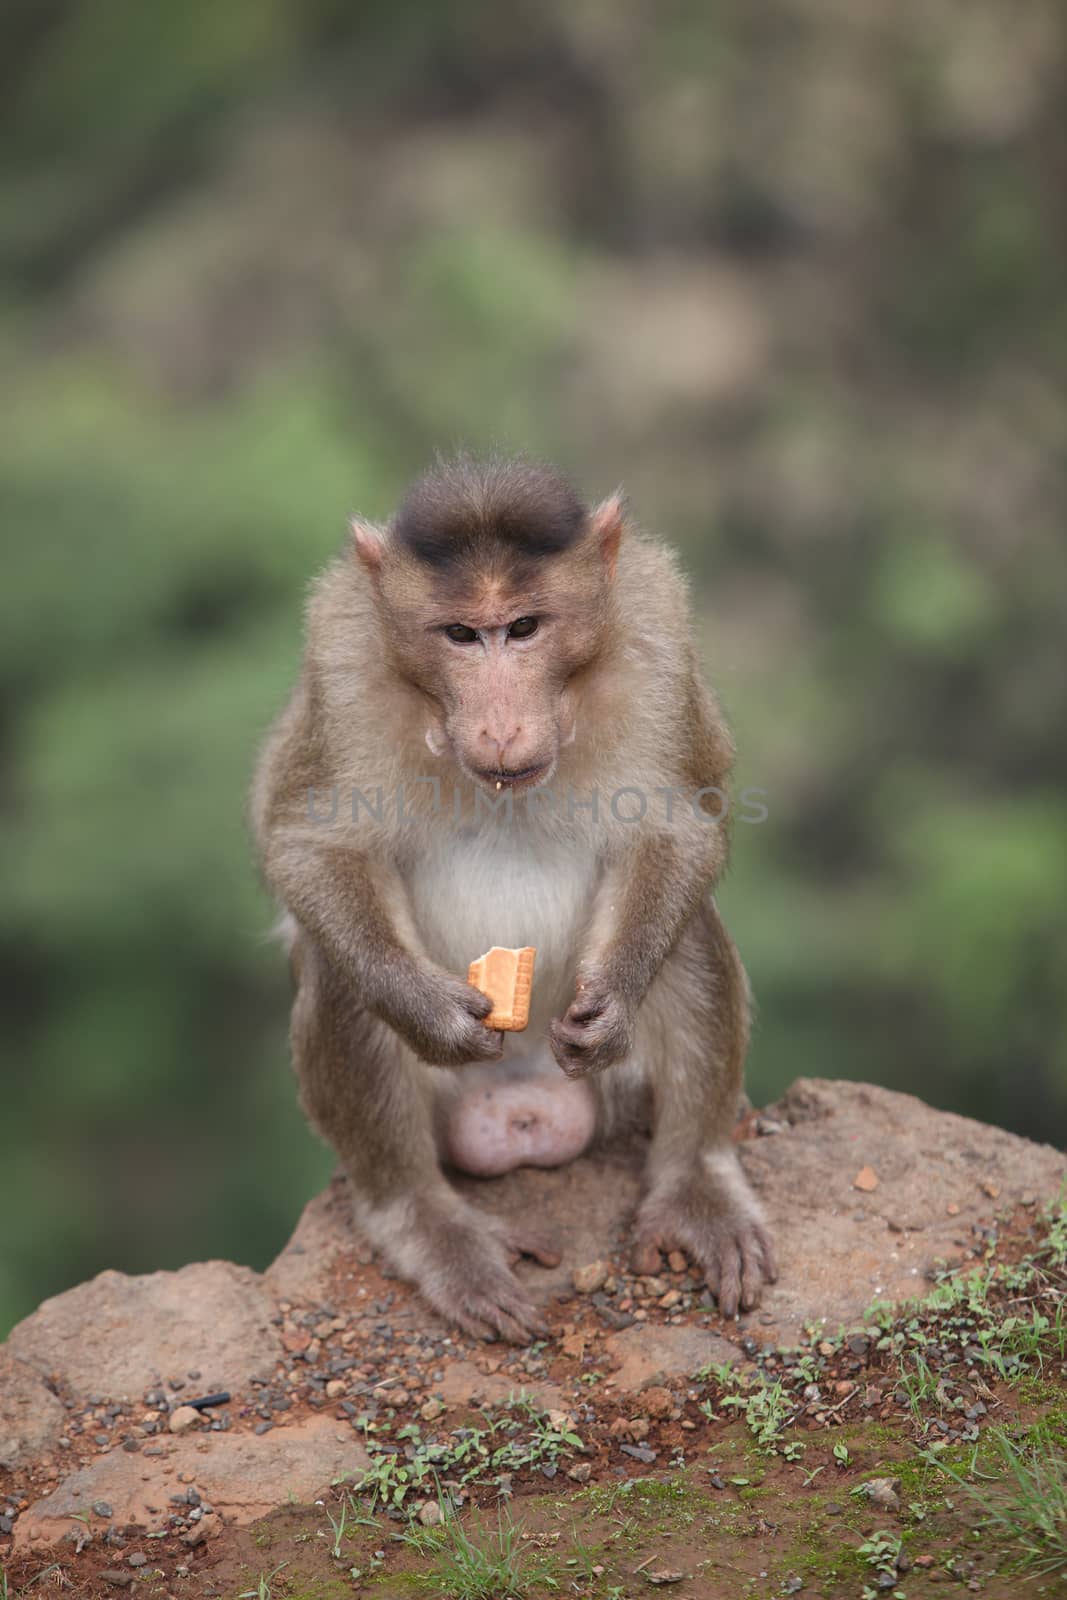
(524,778)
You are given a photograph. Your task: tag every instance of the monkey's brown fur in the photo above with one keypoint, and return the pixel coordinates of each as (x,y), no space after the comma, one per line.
(644,989)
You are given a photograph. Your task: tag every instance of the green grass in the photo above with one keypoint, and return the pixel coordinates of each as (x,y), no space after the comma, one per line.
(515,1436)
(485,1563)
(1023,1497)
(766,1409)
(262,1590)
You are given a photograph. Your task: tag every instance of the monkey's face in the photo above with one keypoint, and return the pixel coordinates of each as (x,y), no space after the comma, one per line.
(495,650)
(495,588)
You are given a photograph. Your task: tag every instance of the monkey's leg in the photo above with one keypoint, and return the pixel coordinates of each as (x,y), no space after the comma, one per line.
(372,1100)
(692,1037)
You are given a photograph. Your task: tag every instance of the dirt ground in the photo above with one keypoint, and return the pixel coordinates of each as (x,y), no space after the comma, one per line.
(824,1470)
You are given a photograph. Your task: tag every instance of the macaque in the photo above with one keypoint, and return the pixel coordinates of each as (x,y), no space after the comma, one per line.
(500,736)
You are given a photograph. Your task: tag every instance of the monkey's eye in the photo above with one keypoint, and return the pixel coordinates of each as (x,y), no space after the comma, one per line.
(522,628)
(460,634)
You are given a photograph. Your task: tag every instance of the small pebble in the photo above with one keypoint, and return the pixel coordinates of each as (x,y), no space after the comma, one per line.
(137,1559)
(639,1452)
(102,1509)
(183,1418)
(590,1278)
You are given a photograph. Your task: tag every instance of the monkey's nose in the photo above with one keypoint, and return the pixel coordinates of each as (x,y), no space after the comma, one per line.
(501,744)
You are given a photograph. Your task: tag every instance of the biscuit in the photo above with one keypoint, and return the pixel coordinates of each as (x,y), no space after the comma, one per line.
(506,976)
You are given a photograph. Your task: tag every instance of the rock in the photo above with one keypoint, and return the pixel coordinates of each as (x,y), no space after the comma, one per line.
(866,1179)
(832,1266)
(464,1383)
(658,1402)
(201,1530)
(676,1261)
(31,1418)
(325,1231)
(116,1336)
(143,1337)
(117,1579)
(588,1279)
(183,1418)
(581,1472)
(430,1514)
(629,1428)
(640,1452)
(137,1559)
(241,1476)
(650,1352)
(882,1492)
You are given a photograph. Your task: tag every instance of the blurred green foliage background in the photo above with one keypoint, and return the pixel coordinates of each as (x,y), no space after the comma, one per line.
(793,270)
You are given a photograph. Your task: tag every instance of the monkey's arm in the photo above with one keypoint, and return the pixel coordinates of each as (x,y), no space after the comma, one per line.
(650,890)
(354,908)
(646,897)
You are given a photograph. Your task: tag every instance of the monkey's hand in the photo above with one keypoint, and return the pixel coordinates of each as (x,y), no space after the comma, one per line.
(596,1031)
(441,1018)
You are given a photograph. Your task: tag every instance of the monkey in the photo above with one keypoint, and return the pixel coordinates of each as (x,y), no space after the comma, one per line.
(497,684)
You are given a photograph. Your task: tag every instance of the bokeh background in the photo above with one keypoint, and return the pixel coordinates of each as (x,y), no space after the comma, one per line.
(792,270)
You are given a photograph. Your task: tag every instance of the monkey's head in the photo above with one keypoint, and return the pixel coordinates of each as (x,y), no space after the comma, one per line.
(494,586)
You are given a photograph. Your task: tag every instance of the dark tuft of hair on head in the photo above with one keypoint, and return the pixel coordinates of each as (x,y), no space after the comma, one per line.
(464,507)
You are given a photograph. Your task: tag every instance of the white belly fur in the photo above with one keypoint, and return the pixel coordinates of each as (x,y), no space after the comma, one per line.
(508,887)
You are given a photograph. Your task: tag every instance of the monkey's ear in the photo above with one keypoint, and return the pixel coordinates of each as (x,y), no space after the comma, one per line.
(369,543)
(609,520)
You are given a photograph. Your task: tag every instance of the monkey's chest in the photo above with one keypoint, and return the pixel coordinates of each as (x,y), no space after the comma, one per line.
(477,891)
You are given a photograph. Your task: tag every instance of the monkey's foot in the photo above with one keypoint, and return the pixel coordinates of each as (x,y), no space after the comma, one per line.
(715,1222)
(460,1262)
(542,1122)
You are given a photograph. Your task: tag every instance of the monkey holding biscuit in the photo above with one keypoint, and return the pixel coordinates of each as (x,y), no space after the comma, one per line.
(501,695)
